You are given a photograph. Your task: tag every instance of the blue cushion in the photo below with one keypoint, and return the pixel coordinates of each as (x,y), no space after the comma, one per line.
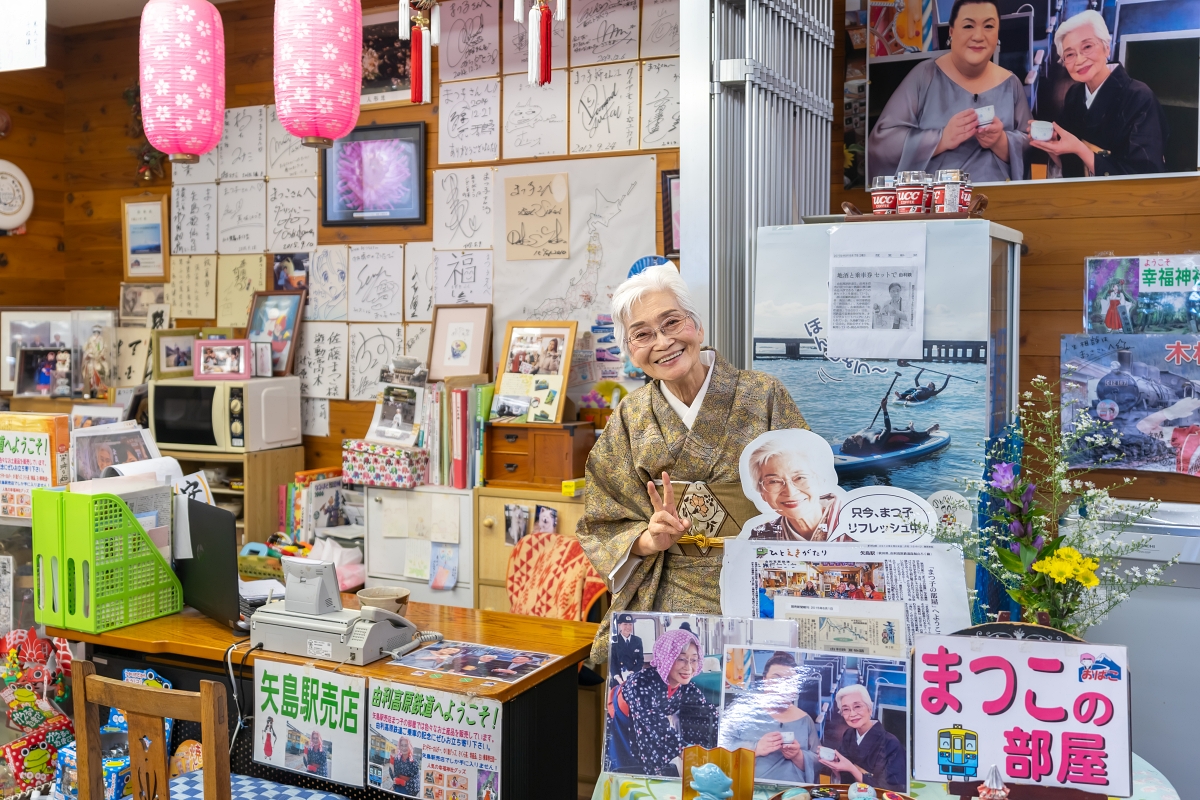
(191,787)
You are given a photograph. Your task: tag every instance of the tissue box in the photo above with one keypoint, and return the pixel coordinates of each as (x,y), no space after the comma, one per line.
(116,778)
(66,776)
(370,464)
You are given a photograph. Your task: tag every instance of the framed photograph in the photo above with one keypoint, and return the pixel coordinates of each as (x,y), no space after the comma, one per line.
(462,341)
(359,192)
(30,327)
(385,79)
(217,333)
(290,271)
(145,245)
(670,208)
(221,359)
(88,416)
(263,363)
(537,357)
(136,301)
(171,351)
(275,318)
(94,449)
(44,372)
(398,415)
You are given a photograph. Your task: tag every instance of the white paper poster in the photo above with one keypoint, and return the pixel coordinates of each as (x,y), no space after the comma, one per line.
(516,44)
(604,108)
(470,41)
(192,292)
(203,171)
(132,347)
(23,36)
(194,219)
(927,578)
(877,291)
(1046,713)
(435,744)
(418,282)
(286,156)
(660,28)
(242,217)
(310,720)
(28,464)
(470,119)
(292,214)
(660,103)
(328,290)
(314,416)
(463,203)
(321,360)
(372,347)
(377,283)
(462,276)
(417,337)
(244,144)
(535,117)
(603,31)
(417,553)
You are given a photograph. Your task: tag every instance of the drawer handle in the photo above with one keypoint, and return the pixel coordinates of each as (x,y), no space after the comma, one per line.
(378,499)
(511,467)
(510,437)
(489,522)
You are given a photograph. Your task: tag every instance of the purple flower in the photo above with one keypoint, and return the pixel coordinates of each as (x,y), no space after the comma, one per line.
(1027,496)
(1011,507)
(1017,529)
(1038,542)
(1015,547)
(1002,477)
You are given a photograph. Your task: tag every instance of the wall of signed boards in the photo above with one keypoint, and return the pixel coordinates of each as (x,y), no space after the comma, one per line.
(72,255)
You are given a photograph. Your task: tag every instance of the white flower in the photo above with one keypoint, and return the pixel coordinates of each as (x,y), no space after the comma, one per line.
(193,141)
(161,24)
(203,116)
(160,52)
(344,97)
(300,30)
(344,70)
(324,16)
(183,124)
(205,91)
(183,40)
(147,102)
(324,105)
(162,112)
(188,73)
(301,67)
(183,100)
(286,51)
(324,80)
(285,106)
(283,82)
(344,5)
(302,94)
(185,13)
(203,56)
(344,33)
(161,88)
(204,28)
(329,51)
(148,74)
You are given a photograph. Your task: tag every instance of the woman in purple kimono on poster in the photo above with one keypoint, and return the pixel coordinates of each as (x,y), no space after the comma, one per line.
(930,122)
(658,711)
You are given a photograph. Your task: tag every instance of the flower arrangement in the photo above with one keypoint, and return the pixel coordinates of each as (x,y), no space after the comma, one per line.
(1054,540)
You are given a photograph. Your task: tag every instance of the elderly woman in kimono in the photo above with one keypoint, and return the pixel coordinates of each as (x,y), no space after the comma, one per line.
(929,122)
(690,424)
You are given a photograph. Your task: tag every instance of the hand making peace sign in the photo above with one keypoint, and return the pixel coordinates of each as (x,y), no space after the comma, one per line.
(665,524)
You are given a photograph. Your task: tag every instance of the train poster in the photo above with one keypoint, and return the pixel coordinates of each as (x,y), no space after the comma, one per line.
(1142,294)
(1147,387)
(1048,713)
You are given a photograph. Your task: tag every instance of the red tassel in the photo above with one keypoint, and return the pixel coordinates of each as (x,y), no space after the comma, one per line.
(544,35)
(416,77)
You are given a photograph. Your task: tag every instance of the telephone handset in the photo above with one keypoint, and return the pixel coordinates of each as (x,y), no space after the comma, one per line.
(404,639)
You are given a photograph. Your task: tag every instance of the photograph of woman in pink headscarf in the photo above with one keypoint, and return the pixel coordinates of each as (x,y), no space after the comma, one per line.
(658,710)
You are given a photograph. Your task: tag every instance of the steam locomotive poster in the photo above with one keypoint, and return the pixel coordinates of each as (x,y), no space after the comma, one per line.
(1147,387)
(1143,294)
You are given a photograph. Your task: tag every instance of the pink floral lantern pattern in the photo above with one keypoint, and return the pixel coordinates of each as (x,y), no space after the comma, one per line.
(318,68)
(181,61)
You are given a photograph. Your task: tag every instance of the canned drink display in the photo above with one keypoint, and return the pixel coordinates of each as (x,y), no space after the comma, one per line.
(883,194)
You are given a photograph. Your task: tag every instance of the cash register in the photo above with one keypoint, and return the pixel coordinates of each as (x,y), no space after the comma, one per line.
(311,622)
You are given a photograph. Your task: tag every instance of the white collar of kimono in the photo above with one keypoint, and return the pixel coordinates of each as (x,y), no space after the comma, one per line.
(689,413)
(1089,95)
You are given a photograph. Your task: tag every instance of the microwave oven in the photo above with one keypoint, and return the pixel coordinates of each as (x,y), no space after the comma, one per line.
(225,416)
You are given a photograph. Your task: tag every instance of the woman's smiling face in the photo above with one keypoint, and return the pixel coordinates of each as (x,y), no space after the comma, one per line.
(974,33)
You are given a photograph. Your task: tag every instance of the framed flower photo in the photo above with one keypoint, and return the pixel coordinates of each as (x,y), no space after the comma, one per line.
(171,351)
(221,359)
(375,175)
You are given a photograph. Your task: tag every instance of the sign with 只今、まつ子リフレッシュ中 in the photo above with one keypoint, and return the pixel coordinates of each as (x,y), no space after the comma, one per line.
(1049,713)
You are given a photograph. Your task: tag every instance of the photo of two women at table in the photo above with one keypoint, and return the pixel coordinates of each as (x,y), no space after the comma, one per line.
(1012,90)
(679,680)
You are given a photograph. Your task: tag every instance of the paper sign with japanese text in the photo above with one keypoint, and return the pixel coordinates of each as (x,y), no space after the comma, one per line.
(426,743)
(309,720)
(1046,713)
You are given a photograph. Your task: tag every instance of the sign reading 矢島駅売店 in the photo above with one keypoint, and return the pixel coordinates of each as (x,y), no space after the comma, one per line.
(426,743)
(1044,712)
(309,720)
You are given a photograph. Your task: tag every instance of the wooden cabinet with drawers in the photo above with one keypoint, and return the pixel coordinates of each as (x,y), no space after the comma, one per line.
(492,553)
(538,457)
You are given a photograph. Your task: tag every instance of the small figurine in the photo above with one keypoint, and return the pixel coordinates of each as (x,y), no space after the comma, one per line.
(711,782)
(860,791)
(95,364)
(45,374)
(993,787)
(12,667)
(62,375)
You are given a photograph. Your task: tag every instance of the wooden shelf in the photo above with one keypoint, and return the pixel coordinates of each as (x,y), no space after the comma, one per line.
(187,455)
(226,490)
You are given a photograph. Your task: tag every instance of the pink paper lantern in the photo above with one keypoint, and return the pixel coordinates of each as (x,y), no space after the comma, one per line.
(318,68)
(181,61)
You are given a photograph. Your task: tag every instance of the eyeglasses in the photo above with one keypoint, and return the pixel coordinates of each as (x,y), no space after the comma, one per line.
(671,327)
(688,661)
(775,483)
(1090,49)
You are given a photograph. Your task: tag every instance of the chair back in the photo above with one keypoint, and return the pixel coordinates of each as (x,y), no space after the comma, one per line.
(549,576)
(145,708)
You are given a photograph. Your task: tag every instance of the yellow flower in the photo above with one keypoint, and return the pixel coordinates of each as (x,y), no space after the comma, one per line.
(1069,554)
(1056,568)
(1087,578)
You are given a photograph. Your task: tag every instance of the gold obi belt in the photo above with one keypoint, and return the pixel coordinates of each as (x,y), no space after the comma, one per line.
(716,511)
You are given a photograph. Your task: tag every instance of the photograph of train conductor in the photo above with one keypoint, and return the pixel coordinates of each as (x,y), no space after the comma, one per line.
(1110,124)
(1184,440)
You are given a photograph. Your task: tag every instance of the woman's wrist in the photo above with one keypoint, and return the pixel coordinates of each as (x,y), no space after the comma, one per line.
(641,546)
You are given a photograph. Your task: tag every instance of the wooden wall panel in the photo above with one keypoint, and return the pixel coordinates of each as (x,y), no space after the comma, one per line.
(99,169)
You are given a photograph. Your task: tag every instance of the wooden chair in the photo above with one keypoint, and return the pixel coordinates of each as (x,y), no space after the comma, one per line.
(145,708)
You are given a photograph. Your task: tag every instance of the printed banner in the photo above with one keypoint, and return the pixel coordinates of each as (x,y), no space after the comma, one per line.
(432,744)
(1046,713)
(1142,294)
(309,721)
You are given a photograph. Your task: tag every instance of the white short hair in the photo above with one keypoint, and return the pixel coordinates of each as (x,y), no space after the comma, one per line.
(801,447)
(854,688)
(1093,18)
(663,278)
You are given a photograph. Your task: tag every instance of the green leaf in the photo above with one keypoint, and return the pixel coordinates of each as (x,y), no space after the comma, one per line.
(1028,556)
(1010,561)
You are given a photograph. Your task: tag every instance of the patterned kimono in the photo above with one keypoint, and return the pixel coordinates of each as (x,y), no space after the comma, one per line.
(644,437)
(643,738)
